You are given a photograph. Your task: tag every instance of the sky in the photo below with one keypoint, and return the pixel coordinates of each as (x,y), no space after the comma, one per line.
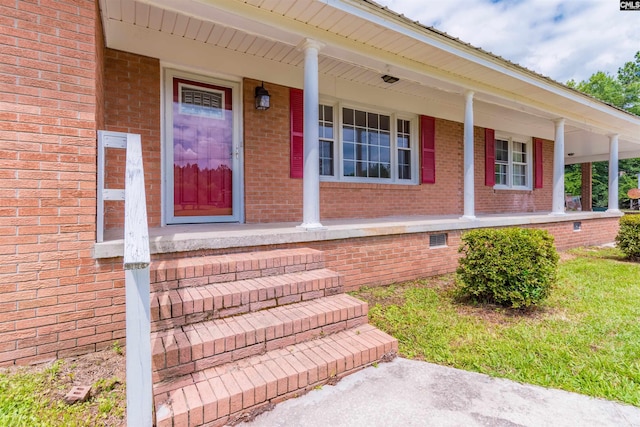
(570,39)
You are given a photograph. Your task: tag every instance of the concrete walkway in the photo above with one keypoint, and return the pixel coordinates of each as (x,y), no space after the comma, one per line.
(411,393)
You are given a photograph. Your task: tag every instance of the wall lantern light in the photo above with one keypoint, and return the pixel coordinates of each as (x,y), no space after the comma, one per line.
(389,79)
(262,98)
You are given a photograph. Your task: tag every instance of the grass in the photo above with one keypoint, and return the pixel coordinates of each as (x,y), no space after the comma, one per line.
(585,338)
(33,396)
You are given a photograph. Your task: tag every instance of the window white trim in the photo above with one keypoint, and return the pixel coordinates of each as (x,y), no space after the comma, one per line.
(338,165)
(527,141)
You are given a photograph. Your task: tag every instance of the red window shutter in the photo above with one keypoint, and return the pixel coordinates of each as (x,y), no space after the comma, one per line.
(537,158)
(428,146)
(489,157)
(296,104)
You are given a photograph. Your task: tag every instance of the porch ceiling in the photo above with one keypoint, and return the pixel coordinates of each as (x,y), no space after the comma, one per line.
(362,42)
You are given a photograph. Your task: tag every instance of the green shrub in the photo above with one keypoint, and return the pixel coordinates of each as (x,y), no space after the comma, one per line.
(628,238)
(513,267)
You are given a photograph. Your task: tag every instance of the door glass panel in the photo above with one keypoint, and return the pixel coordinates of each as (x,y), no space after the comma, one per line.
(202,149)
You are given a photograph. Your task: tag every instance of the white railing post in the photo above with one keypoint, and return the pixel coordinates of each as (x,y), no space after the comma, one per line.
(136,265)
(106,139)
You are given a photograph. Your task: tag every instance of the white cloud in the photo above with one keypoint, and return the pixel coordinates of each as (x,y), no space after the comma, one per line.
(570,39)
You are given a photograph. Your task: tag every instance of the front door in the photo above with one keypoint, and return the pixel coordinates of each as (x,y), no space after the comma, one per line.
(203,152)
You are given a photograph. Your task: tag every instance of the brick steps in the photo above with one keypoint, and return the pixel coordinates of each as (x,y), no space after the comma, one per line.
(188,272)
(194,347)
(182,306)
(226,393)
(235,334)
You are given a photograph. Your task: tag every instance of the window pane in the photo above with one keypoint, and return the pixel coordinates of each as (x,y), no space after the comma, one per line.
(374,138)
(385,170)
(326,158)
(348,151)
(374,154)
(348,134)
(502,150)
(361,118)
(385,139)
(373,121)
(349,168)
(361,169)
(404,171)
(385,154)
(374,170)
(501,174)
(361,152)
(385,122)
(326,131)
(347,116)
(519,152)
(519,175)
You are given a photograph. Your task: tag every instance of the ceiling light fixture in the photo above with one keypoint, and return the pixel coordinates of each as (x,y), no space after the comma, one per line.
(389,79)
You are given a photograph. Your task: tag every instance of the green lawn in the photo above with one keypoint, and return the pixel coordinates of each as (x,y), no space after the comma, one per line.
(33,396)
(584,338)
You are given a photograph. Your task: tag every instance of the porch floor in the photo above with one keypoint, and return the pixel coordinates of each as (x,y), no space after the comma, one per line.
(191,237)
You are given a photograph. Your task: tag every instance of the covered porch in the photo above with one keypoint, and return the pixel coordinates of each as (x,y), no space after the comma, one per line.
(342,55)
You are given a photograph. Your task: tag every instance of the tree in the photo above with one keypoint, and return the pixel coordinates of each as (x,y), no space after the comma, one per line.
(622,91)
(629,78)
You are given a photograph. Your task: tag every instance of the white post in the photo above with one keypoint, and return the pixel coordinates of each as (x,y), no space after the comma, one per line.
(613,174)
(557,206)
(311,169)
(136,259)
(138,361)
(469,184)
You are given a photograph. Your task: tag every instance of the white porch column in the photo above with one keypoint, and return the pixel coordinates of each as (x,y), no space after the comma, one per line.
(557,206)
(469,189)
(613,174)
(311,169)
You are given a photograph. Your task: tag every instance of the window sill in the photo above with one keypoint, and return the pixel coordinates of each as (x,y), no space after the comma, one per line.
(370,185)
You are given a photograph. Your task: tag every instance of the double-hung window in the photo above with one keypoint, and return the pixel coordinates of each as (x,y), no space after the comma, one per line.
(366,146)
(513,163)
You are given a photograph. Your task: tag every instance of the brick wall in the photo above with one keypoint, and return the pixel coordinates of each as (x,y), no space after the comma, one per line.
(488,200)
(132,105)
(267,146)
(389,259)
(53,291)
(381,260)
(270,195)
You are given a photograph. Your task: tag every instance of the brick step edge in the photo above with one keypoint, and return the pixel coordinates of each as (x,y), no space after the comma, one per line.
(170,309)
(172,274)
(195,347)
(237,390)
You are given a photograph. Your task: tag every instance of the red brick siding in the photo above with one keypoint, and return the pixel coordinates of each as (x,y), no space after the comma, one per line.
(132,104)
(380,260)
(55,297)
(488,200)
(271,196)
(99,70)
